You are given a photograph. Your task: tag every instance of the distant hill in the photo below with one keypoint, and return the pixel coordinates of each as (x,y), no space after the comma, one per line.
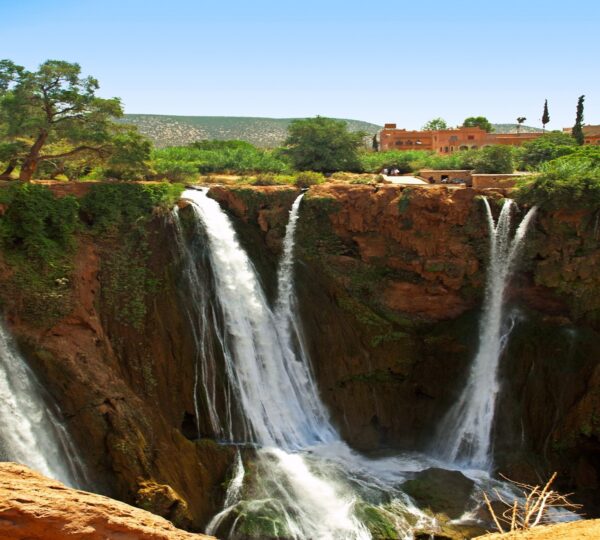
(512,128)
(179,130)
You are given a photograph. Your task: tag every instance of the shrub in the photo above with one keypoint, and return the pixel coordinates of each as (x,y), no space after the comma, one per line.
(545,148)
(108,206)
(568,182)
(308,178)
(495,160)
(37,223)
(236,157)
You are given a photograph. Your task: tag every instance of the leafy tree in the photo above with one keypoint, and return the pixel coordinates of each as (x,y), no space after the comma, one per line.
(52,114)
(435,124)
(495,160)
(578,127)
(520,121)
(480,122)
(130,155)
(545,115)
(323,145)
(545,148)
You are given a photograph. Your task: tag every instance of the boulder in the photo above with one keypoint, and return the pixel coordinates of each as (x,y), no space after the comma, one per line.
(38,508)
(442,491)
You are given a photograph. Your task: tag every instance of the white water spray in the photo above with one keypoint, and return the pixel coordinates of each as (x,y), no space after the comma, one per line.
(465,433)
(30,431)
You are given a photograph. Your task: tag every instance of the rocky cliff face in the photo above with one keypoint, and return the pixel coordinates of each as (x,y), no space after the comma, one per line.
(123,379)
(390,281)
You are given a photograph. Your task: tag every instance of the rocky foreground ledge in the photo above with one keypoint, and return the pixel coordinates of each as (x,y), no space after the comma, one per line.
(578,530)
(37,508)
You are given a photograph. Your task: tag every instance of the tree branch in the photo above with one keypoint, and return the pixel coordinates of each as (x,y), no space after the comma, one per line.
(99,150)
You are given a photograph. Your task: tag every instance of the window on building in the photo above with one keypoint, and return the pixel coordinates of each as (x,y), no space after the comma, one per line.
(409,143)
(474,147)
(445,149)
(399,143)
(471,137)
(463,147)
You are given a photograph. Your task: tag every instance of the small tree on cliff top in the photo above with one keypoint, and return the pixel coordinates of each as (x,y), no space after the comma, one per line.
(323,145)
(51,114)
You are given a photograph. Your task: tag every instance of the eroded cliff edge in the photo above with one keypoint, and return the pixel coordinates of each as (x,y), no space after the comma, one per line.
(390,281)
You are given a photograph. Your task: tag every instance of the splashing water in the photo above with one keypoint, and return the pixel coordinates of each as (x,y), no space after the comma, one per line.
(30,430)
(466,430)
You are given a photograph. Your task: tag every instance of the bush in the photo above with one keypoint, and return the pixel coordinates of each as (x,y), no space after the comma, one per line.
(404,160)
(495,160)
(308,178)
(37,223)
(109,206)
(567,182)
(205,157)
(545,148)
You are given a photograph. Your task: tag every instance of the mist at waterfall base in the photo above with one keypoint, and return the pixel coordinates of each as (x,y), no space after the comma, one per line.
(306,482)
(31,432)
(465,434)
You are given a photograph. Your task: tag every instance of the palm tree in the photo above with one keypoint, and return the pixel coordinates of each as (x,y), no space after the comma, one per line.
(520,121)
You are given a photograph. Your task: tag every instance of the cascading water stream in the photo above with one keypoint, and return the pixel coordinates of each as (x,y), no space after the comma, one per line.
(466,430)
(30,431)
(271,379)
(273,386)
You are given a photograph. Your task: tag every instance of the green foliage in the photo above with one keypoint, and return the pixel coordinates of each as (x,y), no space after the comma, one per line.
(107,207)
(435,124)
(545,114)
(37,223)
(480,122)
(179,162)
(120,214)
(323,145)
(37,233)
(545,148)
(577,131)
(53,113)
(129,157)
(308,178)
(568,182)
(405,161)
(495,160)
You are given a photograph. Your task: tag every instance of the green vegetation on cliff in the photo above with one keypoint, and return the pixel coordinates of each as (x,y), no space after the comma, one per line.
(119,214)
(569,182)
(38,235)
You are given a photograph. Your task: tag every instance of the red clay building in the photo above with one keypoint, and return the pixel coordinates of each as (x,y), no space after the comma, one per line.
(446,141)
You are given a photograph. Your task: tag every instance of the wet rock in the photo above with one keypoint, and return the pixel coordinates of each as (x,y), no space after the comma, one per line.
(442,491)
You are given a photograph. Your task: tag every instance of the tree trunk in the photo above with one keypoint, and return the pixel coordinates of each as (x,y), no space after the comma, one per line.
(31,161)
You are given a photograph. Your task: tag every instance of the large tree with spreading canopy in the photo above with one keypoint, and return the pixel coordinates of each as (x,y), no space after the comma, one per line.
(52,115)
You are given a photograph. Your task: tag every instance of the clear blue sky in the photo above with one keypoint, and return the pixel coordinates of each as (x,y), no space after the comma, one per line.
(387,60)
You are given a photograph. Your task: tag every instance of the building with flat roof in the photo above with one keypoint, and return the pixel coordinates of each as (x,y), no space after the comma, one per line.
(591,134)
(447,141)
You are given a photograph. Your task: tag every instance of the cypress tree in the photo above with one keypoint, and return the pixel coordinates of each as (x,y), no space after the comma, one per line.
(578,127)
(545,115)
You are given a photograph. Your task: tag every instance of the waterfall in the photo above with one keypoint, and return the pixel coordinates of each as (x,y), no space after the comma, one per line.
(273,386)
(466,430)
(30,430)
